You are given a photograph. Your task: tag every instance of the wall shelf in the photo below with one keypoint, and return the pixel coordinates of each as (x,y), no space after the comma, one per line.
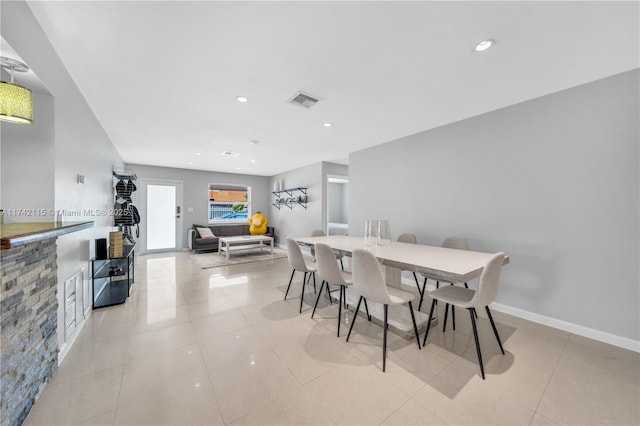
(291,197)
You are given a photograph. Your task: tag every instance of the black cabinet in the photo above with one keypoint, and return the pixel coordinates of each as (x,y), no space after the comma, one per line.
(112,278)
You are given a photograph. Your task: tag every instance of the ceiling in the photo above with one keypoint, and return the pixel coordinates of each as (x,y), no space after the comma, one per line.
(163,77)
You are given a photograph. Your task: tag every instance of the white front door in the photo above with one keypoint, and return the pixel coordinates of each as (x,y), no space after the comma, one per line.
(161,219)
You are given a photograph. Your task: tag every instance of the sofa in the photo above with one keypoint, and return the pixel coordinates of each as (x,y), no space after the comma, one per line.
(198,243)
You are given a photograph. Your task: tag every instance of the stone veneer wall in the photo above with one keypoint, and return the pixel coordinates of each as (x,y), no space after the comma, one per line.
(28,321)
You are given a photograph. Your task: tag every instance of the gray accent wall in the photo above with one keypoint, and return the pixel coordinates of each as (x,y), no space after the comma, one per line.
(298,221)
(195,186)
(553,182)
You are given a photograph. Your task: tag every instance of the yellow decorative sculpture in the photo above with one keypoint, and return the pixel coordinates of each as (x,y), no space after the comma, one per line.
(258,224)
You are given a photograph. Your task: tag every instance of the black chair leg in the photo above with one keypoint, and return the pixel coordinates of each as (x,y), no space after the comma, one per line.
(384,339)
(415,277)
(415,326)
(366,308)
(341,264)
(453,313)
(344,288)
(340,310)
(328,292)
(426,333)
(314,280)
(474,311)
(453,317)
(424,286)
(355,315)
(495,330)
(304,281)
(289,286)
(475,337)
(446,313)
(318,298)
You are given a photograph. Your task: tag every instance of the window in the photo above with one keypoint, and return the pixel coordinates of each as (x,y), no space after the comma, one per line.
(229,203)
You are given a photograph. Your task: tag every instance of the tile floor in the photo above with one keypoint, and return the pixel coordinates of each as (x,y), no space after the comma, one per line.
(220,346)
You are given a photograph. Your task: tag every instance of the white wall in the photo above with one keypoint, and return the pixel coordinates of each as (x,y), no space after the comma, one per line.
(345,202)
(329,169)
(338,202)
(80,145)
(335,202)
(553,182)
(195,186)
(27,167)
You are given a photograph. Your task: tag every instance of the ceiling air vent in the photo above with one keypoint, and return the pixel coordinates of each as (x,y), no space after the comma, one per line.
(304,100)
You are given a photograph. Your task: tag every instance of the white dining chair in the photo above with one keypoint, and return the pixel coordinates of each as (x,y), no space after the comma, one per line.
(338,254)
(472,300)
(457,243)
(329,273)
(369,283)
(410,239)
(316,233)
(297,262)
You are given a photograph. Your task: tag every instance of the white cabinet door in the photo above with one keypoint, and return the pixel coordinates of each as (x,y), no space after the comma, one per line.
(75,297)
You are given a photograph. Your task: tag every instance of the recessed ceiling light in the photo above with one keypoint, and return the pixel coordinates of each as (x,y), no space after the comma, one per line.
(484,45)
(255,142)
(198,153)
(190,162)
(242,99)
(328,124)
(253,161)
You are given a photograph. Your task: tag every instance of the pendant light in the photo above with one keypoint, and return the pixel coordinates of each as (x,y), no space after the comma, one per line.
(16,104)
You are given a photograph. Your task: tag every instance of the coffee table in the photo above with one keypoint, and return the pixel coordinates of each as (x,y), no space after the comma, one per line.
(243,242)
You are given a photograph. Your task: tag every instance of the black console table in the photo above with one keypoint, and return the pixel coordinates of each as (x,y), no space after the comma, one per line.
(112,278)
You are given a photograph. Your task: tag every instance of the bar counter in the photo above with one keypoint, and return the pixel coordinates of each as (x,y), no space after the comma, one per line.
(20,233)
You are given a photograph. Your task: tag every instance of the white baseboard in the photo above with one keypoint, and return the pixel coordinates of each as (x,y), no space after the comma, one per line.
(601,336)
(580,330)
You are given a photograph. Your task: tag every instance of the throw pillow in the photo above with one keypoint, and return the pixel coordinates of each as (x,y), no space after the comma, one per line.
(205,232)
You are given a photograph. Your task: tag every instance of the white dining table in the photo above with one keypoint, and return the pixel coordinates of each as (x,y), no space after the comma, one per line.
(445,264)
(451,265)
